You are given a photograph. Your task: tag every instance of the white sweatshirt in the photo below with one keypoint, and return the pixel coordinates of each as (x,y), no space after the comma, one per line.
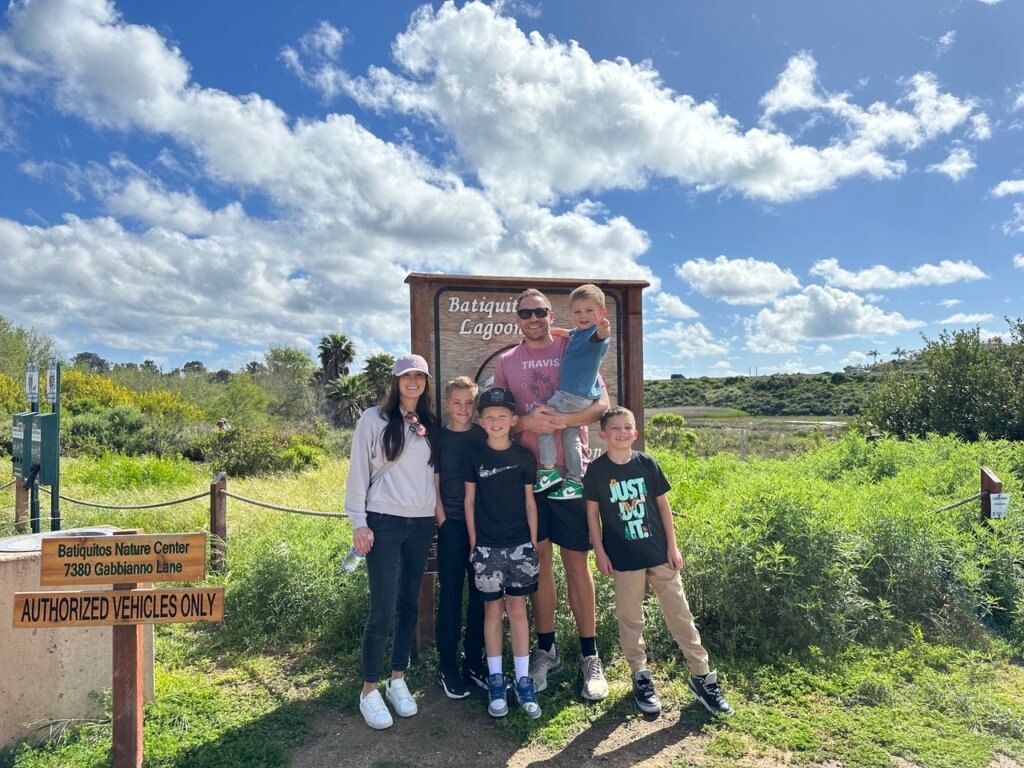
(405,488)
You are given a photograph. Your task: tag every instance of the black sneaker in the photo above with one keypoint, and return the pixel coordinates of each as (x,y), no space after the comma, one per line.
(454,686)
(709,693)
(643,692)
(475,673)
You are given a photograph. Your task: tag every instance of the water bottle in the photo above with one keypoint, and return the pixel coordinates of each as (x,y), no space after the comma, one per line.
(351,561)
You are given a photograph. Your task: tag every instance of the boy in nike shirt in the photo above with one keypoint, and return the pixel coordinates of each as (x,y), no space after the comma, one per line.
(501,516)
(635,542)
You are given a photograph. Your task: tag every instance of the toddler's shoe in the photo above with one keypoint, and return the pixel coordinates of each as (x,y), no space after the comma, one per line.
(546,478)
(571,489)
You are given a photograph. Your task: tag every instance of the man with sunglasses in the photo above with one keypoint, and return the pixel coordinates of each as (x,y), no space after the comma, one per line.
(531,371)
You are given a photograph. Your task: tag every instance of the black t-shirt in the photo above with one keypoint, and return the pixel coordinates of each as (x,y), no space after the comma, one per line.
(451,468)
(500,508)
(631,528)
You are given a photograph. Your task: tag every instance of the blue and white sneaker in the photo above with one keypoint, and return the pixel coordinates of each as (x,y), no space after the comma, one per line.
(527,698)
(498,704)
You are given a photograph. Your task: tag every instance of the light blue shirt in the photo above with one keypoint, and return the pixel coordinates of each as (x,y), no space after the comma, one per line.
(581,362)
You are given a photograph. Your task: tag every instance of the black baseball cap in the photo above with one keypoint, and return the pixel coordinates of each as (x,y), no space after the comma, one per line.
(497,396)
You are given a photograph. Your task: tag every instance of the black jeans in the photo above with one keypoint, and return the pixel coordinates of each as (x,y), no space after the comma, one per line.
(394,567)
(452,569)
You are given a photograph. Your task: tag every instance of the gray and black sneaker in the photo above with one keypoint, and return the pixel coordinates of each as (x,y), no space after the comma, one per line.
(643,692)
(709,693)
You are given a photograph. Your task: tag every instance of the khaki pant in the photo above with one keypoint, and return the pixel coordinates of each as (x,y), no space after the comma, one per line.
(629,610)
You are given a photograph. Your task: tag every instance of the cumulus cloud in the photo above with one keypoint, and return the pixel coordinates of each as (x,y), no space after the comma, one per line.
(820,312)
(881,277)
(738,281)
(690,341)
(670,305)
(1008,187)
(1018,260)
(314,61)
(956,166)
(537,117)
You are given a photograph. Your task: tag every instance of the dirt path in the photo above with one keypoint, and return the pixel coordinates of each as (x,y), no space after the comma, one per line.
(460,733)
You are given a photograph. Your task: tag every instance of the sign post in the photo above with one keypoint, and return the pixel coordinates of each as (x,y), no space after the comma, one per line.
(126,560)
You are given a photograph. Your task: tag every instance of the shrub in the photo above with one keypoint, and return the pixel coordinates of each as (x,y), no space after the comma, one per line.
(121,429)
(666,430)
(241,451)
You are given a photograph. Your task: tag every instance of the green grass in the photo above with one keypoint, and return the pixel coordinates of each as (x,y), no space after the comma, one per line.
(816,582)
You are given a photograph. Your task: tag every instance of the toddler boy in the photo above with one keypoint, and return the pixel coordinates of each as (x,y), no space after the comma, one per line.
(577,389)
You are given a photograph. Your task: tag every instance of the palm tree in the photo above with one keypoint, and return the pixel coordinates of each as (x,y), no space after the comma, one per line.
(377,371)
(874,354)
(899,353)
(336,354)
(351,393)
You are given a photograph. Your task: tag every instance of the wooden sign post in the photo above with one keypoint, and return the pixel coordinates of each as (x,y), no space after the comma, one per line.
(126,560)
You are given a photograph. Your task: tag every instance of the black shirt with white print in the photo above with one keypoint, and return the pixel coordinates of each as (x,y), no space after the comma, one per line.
(501,478)
(626,494)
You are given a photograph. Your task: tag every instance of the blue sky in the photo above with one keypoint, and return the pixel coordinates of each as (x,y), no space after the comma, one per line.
(802,182)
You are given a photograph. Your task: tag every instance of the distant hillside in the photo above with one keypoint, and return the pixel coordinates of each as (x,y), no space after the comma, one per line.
(799,394)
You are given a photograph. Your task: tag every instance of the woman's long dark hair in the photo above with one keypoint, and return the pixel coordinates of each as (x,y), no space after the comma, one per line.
(394,432)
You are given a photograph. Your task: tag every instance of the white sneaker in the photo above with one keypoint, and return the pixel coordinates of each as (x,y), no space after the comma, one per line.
(400,698)
(375,711)
(541,664)
(595,687)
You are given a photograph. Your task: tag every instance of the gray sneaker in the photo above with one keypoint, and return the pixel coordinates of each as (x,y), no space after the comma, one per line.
(542,663)
(709,693)
(595,687)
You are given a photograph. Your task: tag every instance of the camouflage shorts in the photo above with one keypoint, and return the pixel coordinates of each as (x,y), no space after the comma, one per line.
(503,571)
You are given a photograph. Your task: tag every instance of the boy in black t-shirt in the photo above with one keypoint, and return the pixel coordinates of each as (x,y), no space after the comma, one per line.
(635,542)
(453,547)
(501,515)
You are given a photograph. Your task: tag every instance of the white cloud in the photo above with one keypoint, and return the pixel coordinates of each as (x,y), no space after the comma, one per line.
(690,341)
(963,318)
(981,128)
(990,2)
(956,166)
(946,42)
(738,281)
(880,277)
(820,312)
(1015,224)
(856,358)
(1018,260)
(670,305)
(314,61)
(1008,187)
(1018,103)
(823,349)
(536,117)
(947,303)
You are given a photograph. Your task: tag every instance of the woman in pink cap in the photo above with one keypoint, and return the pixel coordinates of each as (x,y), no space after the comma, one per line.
(389,499)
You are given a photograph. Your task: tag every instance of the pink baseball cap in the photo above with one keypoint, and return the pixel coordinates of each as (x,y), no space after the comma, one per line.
(407,363)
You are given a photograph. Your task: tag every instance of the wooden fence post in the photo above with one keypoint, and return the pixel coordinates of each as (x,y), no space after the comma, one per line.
(219,522)
(127,690)
(991,484)
(20,506)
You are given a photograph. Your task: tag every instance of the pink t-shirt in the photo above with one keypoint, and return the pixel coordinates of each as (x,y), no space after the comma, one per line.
(532,375)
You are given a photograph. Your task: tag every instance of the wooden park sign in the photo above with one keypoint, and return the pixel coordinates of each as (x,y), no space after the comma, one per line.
(125,560)
(108,559)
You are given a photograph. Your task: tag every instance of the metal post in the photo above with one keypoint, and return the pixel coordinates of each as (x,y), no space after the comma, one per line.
(219,522)
(55,404)
(20,506)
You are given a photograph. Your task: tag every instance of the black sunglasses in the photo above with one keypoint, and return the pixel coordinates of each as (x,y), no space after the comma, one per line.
(524,314)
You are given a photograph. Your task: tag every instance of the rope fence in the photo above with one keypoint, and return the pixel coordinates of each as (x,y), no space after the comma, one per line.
(291,510)
(81,503)
(960,503)
(7,485)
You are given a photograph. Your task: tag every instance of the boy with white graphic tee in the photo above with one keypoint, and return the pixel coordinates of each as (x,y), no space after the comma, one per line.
(501,516)
(635,543)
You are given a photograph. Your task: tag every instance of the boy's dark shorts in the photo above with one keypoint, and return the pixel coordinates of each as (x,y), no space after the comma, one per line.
(564,522)
(500,571)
